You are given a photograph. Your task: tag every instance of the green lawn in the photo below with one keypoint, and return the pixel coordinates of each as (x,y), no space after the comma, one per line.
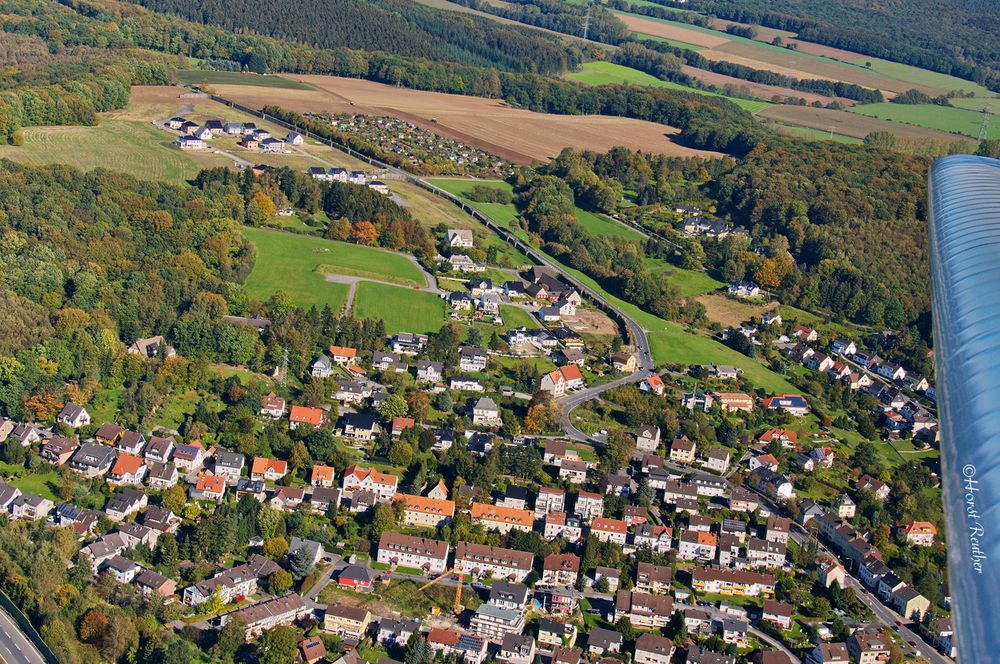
(690,282)
(516,317)
(130,146)
(602,73)
(297,264)
(402,309)
(669,342)
(40,484)
(955,120)
(199,76)
(179,406)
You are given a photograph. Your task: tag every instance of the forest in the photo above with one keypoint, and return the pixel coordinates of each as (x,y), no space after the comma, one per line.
(400,27)
(564,17)
(956,37)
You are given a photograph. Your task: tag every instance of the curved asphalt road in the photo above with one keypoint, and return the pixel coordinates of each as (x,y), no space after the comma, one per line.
(15,647)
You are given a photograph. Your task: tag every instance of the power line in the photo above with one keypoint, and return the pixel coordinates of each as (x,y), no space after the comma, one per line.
(984,128)
(586,21)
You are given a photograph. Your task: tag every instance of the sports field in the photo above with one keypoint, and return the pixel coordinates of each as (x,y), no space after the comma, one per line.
(298,264)
(402,309)
(603,73)
(954,120)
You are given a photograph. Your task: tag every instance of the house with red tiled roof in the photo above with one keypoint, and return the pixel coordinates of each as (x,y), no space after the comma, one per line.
(128,469)
(343,355)
(268,469)
(322,476)
(558,382)
(360,478)
(918,533)
(209,487)
(305,415)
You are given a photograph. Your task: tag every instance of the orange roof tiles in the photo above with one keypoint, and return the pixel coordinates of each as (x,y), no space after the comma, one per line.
(321,473)
(306,415)
(262,465)
(360,472)
(126,464)
(425,505)
(211,484)
(343,351)
(500,514)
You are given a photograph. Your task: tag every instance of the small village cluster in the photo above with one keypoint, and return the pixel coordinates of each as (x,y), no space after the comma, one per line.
(194,136)
(694,224)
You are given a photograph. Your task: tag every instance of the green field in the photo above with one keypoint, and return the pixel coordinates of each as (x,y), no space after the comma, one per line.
(690,282)
(911,74)
(296,264)
(199,76)
(672,42)
(133,147)
(402,309)
(603,73)
(932,116)
(978,104)
(40,484)
(669,342)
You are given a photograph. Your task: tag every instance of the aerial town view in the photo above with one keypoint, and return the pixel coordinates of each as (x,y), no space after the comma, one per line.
(482,331)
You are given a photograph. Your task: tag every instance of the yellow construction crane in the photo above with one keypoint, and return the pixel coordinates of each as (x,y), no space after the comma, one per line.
(457,605)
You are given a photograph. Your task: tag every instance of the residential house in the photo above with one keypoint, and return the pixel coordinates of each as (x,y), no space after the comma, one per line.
(485,412)
(696,545)
(394,632)
(480,560)
(918,533)
(682,450)
(287,497)
(653,579)
(161,475)
(229,465)
(347,621)
(425,512)
(429,372)
(322,476)
(601,641)
(653,384)
(417,552)
(558,524)
(359,428)
(128,470)
(877,487)
(503,519)
(724,371)
(829,653)
(793,404)
(562,380)
(355,577)
(643,610)
(409,343)
(29,507)
(551,633)
(549,500)
(589,505)
(648,438)
(717,460)
(160,449)
(150,583)
(868,647)
(151,347)
(459,238)
(92,460)
(777,613)
(624,362)
(653,649)
(517,649)
(658,538)
(73,415)
(268,470)
(771,483)
(846,508)
(909,603)
(209,487)
(298,415)
(58,450)
(352,392)
(359,478)
(560,570)
(322,367)
(609,530)
(189,457)
(124,504)
(732,582)
(471,359)
(493,622)
(311,649)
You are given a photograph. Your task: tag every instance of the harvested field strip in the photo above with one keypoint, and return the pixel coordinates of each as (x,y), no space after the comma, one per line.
(672,42)
(602,73)
(849,124)
(932,116)
(517,134)
(199,76)
(759,90)
(672,30)
(921,77)
(815,134)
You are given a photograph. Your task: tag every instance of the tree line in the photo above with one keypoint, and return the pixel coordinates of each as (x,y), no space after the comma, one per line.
(948,36)
(394,26)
